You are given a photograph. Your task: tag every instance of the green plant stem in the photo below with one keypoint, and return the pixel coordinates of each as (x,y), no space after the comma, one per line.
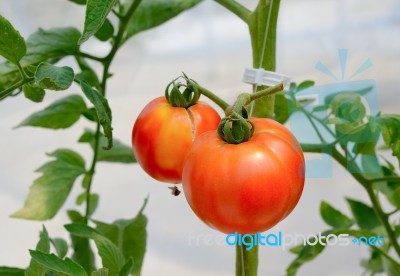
(22,71)
(386,255)
(246,261)
(217,100)
(236,8)
(5,93)
(106,61)
(89,56)
(392,178)
(374,200)
(266,92)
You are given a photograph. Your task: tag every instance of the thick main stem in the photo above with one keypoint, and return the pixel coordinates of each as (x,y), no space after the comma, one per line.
(246,261)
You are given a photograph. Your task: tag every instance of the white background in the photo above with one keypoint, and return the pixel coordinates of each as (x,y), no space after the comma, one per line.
(212,46)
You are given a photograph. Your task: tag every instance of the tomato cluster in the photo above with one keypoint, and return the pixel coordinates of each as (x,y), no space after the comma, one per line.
(246,187)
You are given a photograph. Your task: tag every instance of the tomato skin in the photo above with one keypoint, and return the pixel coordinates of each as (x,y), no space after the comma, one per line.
(247,187)
(162,136)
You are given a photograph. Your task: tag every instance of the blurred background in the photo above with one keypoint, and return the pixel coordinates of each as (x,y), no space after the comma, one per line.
(212,46)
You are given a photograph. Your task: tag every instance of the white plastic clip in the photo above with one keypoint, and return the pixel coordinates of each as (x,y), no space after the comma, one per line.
(262,77)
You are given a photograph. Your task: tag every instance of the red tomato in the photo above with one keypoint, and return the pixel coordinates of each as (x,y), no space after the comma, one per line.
(247,187)
(163,134)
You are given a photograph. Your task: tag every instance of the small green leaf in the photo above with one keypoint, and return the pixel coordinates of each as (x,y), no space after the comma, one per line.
(54,43)
(49,192)
(35,268)
(33,92)
(130,234)
(96,13)
(100,272)
(83,253)
(320,108)
(52,77)
(127,268)
(61,246)
(11,271)
(94,201)
(12,44)
(102,109)
(390,127)
(119,153)
(152,13)
(54,263)
(79,2)
(305,84)
(111,256)
(62,113)
(105,32)
(391,268)
(364,215)
(281,108)
(374,263)
(333,217)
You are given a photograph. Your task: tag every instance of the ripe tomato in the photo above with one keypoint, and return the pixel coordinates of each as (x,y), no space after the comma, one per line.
(162,135)
(247,187)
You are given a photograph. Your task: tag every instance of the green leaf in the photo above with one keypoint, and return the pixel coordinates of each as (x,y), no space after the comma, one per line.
(390,127)
(61,246)
(127,268)
(94,201)
(374,263)
(366,139)
(96,13)
(35,268)
(130,234)
(391,268)
(103,111)
(111,256)
(62,113)
(12,44)
(334,217)
(33,92)
(151,13)
(281,108)
(83,253)
(105,32)
(11,271)
(364,215)
(52,77)
(100,272)
(119,152)
(54,263)
(79,2)
(305,84)
(49,192)
(54,43)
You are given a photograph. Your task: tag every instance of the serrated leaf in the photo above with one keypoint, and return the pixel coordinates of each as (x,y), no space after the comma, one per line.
(119,152)
(54,263)
(111,256)
(11,271)
(61,246)
(12,44)
(62,113)
(96,13)
(151,13)
(103,111)
(390,127)
(49,192)
(100,272)
(35,268)
(334,217)
(53,77)
(130,234)
(82,251)
(33,92)
(105,32)
(363,214)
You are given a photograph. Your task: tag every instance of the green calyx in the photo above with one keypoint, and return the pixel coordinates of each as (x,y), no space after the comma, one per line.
(180,94)
(236,128)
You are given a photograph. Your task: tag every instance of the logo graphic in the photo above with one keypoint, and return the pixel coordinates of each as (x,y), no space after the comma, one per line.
(337,109)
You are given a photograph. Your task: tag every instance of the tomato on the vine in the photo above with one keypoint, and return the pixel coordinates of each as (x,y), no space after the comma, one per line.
(247,187)
(163,134)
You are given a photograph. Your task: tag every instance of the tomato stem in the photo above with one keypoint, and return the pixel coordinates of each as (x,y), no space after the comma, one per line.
(217,100)
(246,261)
